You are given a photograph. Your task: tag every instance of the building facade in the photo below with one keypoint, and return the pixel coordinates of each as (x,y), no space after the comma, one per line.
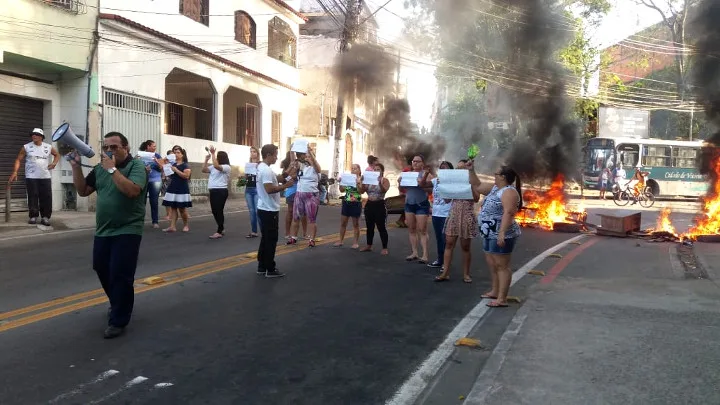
(46,51)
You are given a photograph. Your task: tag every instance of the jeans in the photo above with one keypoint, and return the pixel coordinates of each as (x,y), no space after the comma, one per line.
(251,198)
(154,196)
(439,226)
(115,260)
(323,194)
(218,197)
(39,195)
(270,228)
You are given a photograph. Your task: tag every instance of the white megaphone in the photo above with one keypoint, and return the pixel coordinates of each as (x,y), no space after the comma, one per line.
(65,135)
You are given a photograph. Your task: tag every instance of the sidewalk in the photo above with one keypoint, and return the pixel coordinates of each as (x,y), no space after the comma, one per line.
(625,322)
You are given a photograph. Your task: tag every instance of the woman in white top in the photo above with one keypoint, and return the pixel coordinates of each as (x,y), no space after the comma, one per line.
(440,212)
(307,197)
(218,187)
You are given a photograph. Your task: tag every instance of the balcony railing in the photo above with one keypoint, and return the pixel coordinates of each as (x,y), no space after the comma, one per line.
(71,6)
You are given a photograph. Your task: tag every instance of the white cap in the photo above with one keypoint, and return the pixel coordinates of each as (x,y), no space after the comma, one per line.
(38,131)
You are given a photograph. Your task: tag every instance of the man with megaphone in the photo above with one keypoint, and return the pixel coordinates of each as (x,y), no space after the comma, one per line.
(121,185)
(37,176)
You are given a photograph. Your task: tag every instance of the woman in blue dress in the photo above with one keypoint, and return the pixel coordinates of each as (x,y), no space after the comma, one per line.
(177,196)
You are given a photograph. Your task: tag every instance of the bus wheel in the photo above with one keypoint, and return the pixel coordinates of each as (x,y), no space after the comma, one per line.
(654,187)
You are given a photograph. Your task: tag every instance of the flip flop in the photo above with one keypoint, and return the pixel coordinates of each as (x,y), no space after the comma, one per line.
(488,297)
(411,258)
(495,304)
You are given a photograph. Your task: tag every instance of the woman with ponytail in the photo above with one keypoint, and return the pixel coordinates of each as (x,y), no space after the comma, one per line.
(498,228)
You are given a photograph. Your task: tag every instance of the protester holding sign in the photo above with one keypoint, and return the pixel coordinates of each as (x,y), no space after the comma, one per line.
(351,205)
(153,166)
(307,197)
(375,210)
(251,195)
(417,209)
(440,211)
(218,187)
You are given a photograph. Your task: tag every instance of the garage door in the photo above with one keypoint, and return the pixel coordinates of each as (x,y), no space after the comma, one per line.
(18,116)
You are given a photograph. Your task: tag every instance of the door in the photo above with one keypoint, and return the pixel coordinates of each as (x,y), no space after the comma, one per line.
(18,116)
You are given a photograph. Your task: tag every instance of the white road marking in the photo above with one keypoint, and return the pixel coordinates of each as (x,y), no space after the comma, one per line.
(135,381)
(419,380)
(77,390)
(163,385)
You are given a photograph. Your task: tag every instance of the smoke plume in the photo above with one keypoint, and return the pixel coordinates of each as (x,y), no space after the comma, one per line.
(367,64)
(394,135)
(706,78)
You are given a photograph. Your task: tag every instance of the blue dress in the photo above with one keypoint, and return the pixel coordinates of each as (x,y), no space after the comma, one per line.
(178,191)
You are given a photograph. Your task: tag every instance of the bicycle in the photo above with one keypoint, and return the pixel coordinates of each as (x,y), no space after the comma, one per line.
(623,195)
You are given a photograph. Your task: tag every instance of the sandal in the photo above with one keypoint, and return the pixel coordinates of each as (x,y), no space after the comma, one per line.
(169,230)
(366,249)
(338,244)
(467,279)
(251,235)
(411,258)
(423,261)
(488,297)
(441,278)
(384,252)
(495,304)
(216,236)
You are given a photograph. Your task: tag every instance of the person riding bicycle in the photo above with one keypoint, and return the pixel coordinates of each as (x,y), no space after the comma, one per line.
(639,181)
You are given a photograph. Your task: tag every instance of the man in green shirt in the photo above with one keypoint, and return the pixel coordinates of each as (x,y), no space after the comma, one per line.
(121,185)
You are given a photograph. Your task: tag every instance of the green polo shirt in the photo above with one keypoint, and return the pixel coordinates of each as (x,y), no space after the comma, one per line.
(117,214)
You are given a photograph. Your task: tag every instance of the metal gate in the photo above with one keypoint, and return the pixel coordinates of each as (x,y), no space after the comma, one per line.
(18,116)
(136,117)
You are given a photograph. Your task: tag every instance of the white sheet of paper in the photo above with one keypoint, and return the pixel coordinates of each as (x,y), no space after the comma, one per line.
(409,179)
(348,180)
(146,157)
(167,168)
(454,184)
(300,146)
(171,158)
(251,168)
(371,178)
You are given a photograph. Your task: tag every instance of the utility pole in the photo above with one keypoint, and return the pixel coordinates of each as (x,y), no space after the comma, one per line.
(349,34)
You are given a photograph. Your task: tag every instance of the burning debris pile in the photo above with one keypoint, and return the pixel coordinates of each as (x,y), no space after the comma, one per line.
(548,210)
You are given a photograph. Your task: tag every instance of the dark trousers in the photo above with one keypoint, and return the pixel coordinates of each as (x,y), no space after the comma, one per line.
(376,217)
(439,227)
(218,197)
(269,229)
(39,193)
(115,260)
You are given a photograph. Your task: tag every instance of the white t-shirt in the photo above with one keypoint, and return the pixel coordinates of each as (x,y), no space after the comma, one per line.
(620,175)
(37,159)
(307,179)
(267,202)
(217,178)
(440,208)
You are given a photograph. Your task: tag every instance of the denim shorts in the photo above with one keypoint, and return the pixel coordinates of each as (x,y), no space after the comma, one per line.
(418,209)
(491,246)
(351,209)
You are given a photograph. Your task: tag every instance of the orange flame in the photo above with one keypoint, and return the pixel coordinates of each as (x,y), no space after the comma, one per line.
(546,209)
(709,222)
(664,224)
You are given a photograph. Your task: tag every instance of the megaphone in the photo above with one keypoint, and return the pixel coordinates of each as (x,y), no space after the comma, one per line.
(65,135)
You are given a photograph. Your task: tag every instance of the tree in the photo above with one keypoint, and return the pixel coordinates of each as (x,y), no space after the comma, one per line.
(675,18)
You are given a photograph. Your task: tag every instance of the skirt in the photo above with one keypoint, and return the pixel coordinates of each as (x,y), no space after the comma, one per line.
(462,221)
(177,200)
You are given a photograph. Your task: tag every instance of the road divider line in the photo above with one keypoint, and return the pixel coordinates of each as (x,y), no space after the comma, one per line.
(418,381)
(181,275)
(563,263)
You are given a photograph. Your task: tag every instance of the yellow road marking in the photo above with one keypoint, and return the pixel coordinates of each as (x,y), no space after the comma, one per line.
(210,267)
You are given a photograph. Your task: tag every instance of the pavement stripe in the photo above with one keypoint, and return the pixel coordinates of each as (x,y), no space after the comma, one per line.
(411,390)
(563,263)
(79,389)
(135,381)
(219,265)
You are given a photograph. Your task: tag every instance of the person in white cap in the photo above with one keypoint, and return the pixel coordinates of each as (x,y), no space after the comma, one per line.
(37,176)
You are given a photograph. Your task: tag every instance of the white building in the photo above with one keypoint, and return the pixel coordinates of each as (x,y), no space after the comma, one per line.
(200,72)
(45,54)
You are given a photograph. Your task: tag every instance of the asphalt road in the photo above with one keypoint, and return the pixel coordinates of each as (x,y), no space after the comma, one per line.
(342,328)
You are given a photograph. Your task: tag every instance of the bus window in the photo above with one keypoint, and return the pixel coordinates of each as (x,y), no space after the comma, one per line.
(685,157)
(597,158)
(657,156)
(628,154)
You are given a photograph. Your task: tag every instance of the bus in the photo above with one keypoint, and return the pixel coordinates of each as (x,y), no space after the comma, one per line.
(673,165)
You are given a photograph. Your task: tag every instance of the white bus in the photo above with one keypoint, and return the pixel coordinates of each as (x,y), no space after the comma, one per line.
(673,165)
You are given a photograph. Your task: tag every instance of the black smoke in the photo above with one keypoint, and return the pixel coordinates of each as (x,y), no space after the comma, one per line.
(706,78)
(369,66)
(549,144)
(394,135)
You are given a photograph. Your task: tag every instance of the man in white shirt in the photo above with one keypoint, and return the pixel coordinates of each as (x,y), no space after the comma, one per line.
(37,176)
(268,208)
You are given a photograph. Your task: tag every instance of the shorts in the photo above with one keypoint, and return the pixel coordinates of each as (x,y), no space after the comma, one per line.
(418,209)
(290,200)
(351,209)
(491,246)
(306,205)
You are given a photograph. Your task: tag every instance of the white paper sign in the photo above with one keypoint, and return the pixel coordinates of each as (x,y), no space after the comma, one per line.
(300,146)
(348,180)
(409,179)
(167,169)
(371,178)
(454,185)
(146,157)
(171,158)
(251,168)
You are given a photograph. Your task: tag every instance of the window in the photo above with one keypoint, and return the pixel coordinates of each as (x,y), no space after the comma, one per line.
(245,29)
(204,119)
(197,10)
(657,156)
(628,155)
(174,119)
(685,157)
(282,44)
(247,125)
(276,127)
